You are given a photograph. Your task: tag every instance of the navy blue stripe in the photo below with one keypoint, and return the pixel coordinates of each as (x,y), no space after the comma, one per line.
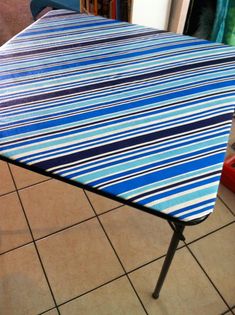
(67,28)
(83,44)
(112,179)
(187,181)
(113,83)
(130,142)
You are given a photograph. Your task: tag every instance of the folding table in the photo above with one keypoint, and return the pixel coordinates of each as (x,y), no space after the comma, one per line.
(129,112)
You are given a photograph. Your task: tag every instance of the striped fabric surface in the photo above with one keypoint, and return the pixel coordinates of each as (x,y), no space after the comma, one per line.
(133,112)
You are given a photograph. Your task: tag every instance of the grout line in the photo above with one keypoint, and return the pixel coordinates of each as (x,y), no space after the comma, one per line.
(93,208)
(212,283)
(48,235)
(136,293)
(91,290)
(50,309)
(107,211)
(153,260)
(18,247)
(35,245)
(106,235)
(226,205)
(22,188)
(110,281)
(209,233)
(117,255)
(71,226)
(232,310)
(225,312)
(35,184)
(64,229)
(7,193)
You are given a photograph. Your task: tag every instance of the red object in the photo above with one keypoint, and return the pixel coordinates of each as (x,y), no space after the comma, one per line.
(114,10)
(228,173)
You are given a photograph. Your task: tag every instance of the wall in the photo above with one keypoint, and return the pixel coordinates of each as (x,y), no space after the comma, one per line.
(152,13)
(14,16)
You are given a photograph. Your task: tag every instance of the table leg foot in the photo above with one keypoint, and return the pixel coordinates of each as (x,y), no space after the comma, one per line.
(155,296)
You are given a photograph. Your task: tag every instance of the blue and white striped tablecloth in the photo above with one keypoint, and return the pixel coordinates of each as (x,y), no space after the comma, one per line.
(132,112)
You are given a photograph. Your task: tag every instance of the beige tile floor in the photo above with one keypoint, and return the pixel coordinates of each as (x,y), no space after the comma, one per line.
(70,252)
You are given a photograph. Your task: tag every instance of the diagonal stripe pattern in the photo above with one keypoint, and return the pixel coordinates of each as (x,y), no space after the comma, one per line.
(133,112)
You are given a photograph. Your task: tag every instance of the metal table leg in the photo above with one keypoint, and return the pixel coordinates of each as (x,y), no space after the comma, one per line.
(177,236)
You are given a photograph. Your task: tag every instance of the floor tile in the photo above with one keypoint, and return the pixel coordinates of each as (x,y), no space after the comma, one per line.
(227,312)
(220,217)
(117,298)
(52,312)
(102,204)
(186,289)
(228,197)
(78,260)
(11,22)
(14,230)
(53,205)
(6,185)
(23,288)
(216,253)
(138,237)
(24,178)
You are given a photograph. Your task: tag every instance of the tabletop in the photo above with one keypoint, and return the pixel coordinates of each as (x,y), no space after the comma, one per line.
(134,113)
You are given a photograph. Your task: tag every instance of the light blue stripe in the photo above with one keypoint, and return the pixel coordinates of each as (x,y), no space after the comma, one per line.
(161,206)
